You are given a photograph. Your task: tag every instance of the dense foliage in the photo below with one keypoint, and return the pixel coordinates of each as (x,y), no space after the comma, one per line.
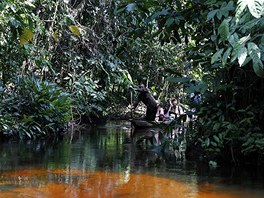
(65,46)
(91,51)
(35,109)
(223,43)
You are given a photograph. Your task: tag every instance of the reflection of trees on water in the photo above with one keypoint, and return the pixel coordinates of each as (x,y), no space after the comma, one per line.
(107,147)
(21,154)
(99,154)
(103,148)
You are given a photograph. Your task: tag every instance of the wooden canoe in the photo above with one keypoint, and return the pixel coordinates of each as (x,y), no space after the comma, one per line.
(143,124)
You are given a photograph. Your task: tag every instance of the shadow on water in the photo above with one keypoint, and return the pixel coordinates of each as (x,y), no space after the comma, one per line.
(105,162)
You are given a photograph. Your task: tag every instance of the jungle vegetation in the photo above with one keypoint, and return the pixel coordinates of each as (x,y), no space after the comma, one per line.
(70,60)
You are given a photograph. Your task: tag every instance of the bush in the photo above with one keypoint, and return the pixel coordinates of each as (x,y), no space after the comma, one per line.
(34,109)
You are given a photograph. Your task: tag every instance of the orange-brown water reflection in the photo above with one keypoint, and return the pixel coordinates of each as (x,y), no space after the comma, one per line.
(75,183)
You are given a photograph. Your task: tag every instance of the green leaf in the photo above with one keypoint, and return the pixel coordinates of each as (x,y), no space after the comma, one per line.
(223,30)
(244,39)
(220,13)
(233,39)
(169,22)
(217,56)
(211,14)
(216,138)
(207,142)
(55,35)
(260,143)
(30,4)
(213,164)
(230,6)
(240,8)
(120,10)
(178,4)
(258,68)
(213,37)
(242,55)
(226,56)
(254,51)
(255,54)
(213,144)
(163,12)
(26,36)
(74,30)
(216,126)
(131,7)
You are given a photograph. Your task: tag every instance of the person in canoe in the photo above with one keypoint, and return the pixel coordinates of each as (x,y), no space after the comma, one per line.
(147,98)
(160,116)
(175,109)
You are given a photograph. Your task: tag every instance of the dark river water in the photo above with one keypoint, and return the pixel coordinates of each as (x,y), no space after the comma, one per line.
(104,162)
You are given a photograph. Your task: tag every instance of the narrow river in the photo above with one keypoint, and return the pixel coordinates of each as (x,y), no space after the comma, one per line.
(105,162)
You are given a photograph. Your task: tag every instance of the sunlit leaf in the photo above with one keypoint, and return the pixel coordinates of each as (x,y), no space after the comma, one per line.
(240,8)
(75,30)
(256,7)
(254,51)
(23,41)
(129,77)
(255,54)
(26,36)
(242,55)
(55,35)
(244,39)
(29,3)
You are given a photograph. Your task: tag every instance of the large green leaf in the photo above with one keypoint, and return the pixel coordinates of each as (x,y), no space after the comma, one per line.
(230,6)
(223,30)
(242,55)
(26,36)
(169,22)
(238,44)
(255,54)
(217,56)
(258,68)
(254,51)
(211,14)
(226,56)
(233,39)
